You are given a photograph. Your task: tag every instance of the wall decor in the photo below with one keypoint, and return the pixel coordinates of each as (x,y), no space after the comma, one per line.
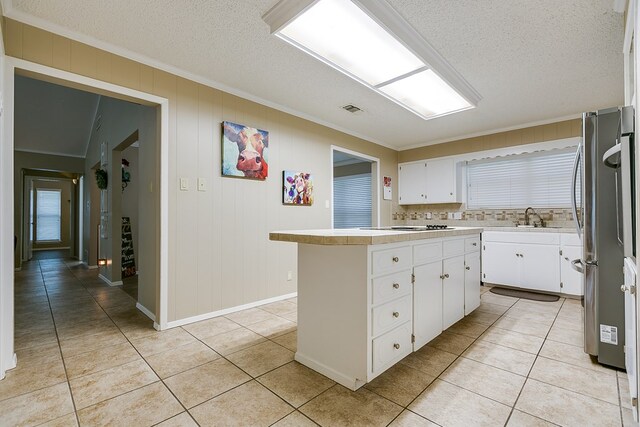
(128,258)
(102,179)
(386,189)
(297,188)
(126,175)
(245,151)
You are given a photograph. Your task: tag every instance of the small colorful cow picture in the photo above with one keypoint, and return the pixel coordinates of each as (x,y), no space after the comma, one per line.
(298,188)
(244,151)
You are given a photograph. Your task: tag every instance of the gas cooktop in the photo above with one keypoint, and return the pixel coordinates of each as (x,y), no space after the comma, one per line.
(411,227)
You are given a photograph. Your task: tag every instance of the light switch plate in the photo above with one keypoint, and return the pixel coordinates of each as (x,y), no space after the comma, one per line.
(184,184)
(202,184)
(326,204)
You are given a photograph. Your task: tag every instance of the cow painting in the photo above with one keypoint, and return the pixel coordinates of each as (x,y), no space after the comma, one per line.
(298,188)
(244,151)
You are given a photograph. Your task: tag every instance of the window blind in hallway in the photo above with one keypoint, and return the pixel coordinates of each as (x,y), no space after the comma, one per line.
(48,208)
(352,201)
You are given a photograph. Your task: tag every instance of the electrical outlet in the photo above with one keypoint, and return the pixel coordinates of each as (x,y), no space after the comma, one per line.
(289,276)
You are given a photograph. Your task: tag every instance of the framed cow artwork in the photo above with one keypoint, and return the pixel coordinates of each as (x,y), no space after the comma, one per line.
(297,188)
(245,151)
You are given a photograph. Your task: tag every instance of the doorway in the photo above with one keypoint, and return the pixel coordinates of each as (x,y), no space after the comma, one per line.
(10,69)
(355,189)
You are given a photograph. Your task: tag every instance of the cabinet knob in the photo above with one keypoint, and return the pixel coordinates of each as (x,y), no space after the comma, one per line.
(395,259)
(451,194)
(467,268)
(396,285)
(442,276)
(623,288)
(396,346)
(475,244)
(446,275)
(396,314)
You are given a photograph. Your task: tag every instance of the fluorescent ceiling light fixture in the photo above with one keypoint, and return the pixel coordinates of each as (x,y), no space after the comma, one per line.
(339,32)
(426,94)
(371,43)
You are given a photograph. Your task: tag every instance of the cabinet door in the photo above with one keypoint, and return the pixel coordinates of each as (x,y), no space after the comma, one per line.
(452,290)
(440,181)
(540,267)
(412,179)
(572,281)
(427,303)
(500,263)
(471,282)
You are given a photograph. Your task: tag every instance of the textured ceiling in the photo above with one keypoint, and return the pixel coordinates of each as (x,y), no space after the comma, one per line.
(531,61)
(52,119)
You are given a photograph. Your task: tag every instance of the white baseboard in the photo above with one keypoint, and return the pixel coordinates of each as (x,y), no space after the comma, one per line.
(146,311)
(339,377)
(89,267)
(222,312)
(109,282)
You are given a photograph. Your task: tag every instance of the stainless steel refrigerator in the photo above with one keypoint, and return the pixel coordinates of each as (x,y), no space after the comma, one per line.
(599,226)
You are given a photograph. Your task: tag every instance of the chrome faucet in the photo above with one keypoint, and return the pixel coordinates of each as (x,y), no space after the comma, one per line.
(526,216)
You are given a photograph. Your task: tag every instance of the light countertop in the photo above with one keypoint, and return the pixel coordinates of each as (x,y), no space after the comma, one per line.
(533,229)
(356,236)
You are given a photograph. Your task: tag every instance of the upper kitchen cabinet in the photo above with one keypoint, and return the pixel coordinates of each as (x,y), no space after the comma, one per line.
(430,181)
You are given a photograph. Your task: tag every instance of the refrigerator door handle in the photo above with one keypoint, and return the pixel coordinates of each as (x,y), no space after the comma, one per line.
(574,182)
(611,152)
(577,265)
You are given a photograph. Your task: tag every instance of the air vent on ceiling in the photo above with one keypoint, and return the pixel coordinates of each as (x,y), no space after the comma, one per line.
(352,108)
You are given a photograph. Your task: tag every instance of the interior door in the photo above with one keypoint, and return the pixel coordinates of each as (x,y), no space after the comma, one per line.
(452,290)
(31,226)
(427,303)
(630,331)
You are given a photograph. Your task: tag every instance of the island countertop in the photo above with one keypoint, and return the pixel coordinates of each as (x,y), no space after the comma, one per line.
(357,236)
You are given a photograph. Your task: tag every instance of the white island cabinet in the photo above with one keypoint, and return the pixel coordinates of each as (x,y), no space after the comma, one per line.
(368,298)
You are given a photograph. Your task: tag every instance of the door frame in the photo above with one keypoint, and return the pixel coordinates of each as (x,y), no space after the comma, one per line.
(9,67)
(376,195)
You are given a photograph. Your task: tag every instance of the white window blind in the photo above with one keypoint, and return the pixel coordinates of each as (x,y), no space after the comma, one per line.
(540,180)
(352,201)
(48,215)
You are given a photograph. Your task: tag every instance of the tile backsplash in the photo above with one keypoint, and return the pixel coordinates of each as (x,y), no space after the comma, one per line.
(445,214)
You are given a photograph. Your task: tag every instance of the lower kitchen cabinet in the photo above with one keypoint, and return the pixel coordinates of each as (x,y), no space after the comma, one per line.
(530,260)
(427,303)
(471,282)
(452,290)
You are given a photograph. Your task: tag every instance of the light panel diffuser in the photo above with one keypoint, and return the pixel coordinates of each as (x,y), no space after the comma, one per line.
(342,34)
(426,93)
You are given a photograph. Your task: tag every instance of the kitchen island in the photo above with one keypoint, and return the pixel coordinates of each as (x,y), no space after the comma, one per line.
(368,298)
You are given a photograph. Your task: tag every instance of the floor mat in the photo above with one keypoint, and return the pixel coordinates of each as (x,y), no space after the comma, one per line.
(518,293)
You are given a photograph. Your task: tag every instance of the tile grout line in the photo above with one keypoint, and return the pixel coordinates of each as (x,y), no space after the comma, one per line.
(73,401)
(513,408)
(449,365)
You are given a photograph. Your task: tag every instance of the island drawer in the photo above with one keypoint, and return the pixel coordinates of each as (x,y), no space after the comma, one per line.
(427,252)
(389,260)
(394,285)
(472,244)
(390,315)
(453,247)
(391,347)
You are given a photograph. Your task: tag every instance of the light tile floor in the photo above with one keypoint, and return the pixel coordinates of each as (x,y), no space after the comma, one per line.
(87,356)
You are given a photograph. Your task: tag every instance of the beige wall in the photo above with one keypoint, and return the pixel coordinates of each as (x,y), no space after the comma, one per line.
(219,251)
(35,161)
(530,135)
